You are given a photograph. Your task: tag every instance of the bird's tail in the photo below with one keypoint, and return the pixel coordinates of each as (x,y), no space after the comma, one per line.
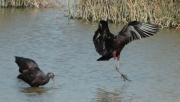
(104,58)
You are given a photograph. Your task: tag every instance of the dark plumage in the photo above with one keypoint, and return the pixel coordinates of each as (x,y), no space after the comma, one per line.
(25,64)
(31,73)
(36,77)
(109,45)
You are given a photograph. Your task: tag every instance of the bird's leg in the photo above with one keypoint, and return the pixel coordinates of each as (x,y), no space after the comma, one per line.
(114,56)
(117,68)
(118,63)
(115,62)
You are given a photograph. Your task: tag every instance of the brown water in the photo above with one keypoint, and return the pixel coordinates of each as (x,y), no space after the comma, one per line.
(65,48)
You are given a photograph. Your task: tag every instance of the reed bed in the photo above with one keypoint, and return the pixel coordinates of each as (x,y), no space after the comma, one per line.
(165,13)
(29,3)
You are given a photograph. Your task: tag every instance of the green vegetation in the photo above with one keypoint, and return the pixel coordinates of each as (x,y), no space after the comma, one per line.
(165,13)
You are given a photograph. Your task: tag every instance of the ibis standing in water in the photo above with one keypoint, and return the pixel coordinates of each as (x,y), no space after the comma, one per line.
(31,73)
(109,45)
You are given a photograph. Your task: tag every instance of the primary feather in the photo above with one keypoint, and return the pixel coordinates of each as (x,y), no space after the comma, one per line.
(137,30)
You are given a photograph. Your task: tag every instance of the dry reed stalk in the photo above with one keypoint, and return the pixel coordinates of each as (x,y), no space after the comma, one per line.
(166,13)
(30,3)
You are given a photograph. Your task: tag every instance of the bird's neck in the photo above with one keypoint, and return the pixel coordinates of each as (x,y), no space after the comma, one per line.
(46,80)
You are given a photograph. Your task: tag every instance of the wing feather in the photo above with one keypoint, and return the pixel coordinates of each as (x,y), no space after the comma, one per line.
(137,30)
(28,76)
(99,43)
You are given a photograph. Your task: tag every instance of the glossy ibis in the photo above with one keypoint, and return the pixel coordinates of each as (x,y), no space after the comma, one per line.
(25,64)
(35,77)
(31,73)
(109,45)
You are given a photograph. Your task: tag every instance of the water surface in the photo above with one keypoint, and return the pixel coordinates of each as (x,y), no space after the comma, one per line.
(65,48)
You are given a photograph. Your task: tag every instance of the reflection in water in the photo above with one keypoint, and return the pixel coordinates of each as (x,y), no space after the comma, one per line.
(37,90)
(36,94)
(103,95)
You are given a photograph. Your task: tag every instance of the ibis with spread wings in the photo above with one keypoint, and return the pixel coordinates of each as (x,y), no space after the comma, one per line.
(109,45)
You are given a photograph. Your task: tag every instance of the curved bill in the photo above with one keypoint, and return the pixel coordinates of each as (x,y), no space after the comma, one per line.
(54,82)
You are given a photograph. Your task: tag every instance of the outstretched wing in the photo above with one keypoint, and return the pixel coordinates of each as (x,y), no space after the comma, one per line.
(99,43)
(25,63)
(136,30)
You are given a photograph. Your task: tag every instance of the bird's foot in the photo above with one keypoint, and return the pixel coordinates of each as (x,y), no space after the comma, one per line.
(117,69)
(122,75)
(125,77)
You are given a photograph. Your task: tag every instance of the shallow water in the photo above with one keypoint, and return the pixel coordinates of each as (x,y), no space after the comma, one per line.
(65,48)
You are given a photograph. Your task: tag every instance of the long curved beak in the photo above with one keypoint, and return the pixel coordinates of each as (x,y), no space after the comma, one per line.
(54,82)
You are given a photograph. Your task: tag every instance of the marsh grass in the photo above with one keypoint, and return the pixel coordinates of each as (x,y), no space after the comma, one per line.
(30,3)
(165,13)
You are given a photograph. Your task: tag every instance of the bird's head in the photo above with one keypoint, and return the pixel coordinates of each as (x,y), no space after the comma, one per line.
(51,75)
